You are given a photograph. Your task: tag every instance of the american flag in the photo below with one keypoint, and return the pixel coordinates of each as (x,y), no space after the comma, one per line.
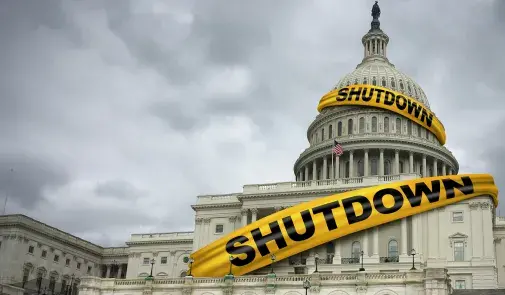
(337,149)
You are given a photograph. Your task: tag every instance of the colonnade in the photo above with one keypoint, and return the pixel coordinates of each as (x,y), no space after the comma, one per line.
(117,271)
(345,166)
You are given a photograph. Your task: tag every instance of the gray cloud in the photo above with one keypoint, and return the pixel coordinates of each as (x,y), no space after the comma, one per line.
(180,98)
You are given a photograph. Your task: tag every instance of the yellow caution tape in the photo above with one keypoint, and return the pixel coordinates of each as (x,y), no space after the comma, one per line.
(384,98)
(307,225)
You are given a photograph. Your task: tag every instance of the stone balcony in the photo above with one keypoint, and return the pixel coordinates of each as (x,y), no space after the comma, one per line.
(341,183)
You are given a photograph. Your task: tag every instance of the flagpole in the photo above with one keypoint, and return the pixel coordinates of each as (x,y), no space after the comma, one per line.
(332,168)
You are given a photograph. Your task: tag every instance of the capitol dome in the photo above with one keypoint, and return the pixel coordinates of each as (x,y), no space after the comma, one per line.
(378,144)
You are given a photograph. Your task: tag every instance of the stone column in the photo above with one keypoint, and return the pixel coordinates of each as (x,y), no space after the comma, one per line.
(207,231)
(375,252)
(487,230)
(444,170)
(381,162)
(337,167)
(403,244)
(300,175)
(365,243)
(314,170)
(337,258)
(415,232)
(119,271)
(198,233)
(108,271)
(397,161)
(450,171)
(411,162)
(366,163)
(233,220)
(435,167)
(244,216)
(351,163)
(306,173)
(424,166)
(325,167)
(254,214)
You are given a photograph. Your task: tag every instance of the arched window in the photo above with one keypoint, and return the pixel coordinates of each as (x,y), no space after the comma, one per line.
(330,131)
(349,126)
(393,248)
(339,129)
(361,168)
(346,169)
(330,250)
(383,82)
(374,167)
(408,87)
(387,167)
(356,249)
(409,127)
(183,274)
(401,85)
(386,124)
(393,84)
(374,124)
(398,125)
(374,82)
(401,167)
(365,80)
(362,125)
(322,134)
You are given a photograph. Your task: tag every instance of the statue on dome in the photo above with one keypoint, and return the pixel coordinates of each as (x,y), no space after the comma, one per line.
(376,11)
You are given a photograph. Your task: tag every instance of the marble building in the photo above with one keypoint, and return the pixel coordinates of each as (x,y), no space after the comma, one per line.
(461,246)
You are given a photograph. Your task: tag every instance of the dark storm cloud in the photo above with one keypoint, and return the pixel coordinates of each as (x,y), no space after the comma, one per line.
(24,178)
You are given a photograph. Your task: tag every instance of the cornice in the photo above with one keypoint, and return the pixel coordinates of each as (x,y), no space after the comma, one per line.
(297,194)
(374,141)
(218,205)
(157,242)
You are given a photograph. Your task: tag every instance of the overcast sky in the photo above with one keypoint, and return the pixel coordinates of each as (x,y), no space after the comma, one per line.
(116,114)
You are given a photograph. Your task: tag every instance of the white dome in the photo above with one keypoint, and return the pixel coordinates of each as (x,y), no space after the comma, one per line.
(381,73)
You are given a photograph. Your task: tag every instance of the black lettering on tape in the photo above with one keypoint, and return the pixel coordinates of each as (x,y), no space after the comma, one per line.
(414,198)
(242,249)
(466,188)
(262,240)
(342,94)
(367,97)
(379,93)
(327,210)
(389,98)
(354,93)
(401,102)
(309,227)
(378,200)
(349,209)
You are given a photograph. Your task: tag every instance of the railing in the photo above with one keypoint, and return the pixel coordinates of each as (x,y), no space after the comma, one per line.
(389,259)
(353,260)
(297,261)
(326,183)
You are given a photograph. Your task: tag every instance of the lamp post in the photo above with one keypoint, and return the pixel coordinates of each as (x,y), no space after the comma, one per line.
(272,257)
(306,285)
(231,258)
(362,268)
(152,265)
(191,260)
(413,253)
(316,258)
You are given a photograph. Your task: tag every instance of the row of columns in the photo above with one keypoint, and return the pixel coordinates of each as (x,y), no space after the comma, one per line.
(118,274)
(335,173)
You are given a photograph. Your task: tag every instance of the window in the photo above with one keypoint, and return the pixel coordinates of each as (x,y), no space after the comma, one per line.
(330,132)
(401,85)
(408,87)
(365,80)
(52,283)
(393,84)
(89,269)
(347,174)
(387,167)
(374,124)
(31,249)
(349,126)
(361,168)
(459,251)
(164,260)
(339,129)
(63,285)
(457,216)
(386,124)
(398,125)
(374,167)
(409,127)
(219,228)
(78,265)
(146,260)
(362,125)
(459,284)
(374,82)
(356,249)
(383,82)
(322,134)
(26,274)
(56,258)
(401,167)
(393,248)
(44,253)
(67,262)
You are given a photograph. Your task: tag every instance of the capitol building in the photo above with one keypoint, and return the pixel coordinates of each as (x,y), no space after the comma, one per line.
(460,246)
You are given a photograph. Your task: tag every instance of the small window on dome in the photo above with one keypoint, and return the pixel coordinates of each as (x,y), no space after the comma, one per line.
(383,82)
(393,84)
(365,81)
(408,87)
(415,90)
(355,81)
(374,81)
(348,83)
(401,85)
